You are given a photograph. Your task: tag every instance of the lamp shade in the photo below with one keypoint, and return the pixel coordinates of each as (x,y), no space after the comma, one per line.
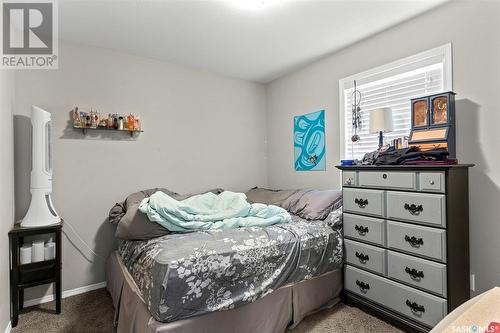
(381,120)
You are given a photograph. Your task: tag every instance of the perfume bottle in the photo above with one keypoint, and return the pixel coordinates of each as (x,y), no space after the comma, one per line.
(120,123)
(93,119)
(110,121)
(76,118)
(137,124)
(131,122)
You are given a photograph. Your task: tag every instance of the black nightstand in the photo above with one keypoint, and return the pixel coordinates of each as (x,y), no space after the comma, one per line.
(33,274)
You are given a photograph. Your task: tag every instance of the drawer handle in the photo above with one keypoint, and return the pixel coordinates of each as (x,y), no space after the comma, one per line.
(362,203)
(349,181)
(415,242)
(362,257)
(414,273)
(361,230)
(363,286)
(414,306)
(414,209)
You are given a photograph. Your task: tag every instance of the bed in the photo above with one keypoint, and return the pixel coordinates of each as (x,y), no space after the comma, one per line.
(255,279)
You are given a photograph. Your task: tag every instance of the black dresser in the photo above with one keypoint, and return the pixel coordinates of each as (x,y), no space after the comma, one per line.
(406,231)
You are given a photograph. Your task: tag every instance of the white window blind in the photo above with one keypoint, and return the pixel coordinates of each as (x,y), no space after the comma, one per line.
(394,89)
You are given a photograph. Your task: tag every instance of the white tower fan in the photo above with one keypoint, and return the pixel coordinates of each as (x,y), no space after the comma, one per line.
(41,211)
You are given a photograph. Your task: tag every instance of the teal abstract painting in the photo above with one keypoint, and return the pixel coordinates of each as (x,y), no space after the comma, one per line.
(309,141)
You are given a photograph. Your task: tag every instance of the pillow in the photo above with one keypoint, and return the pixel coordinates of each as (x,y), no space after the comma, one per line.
(313,204)
(119,209)
(268,197)
(132,224)
(135,225)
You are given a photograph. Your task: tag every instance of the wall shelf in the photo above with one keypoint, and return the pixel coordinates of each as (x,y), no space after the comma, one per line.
(85,129)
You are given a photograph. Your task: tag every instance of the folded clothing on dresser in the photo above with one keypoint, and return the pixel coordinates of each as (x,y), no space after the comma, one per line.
(408,156)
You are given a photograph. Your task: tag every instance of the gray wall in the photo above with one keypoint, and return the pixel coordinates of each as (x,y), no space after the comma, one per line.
(201,131)
(6,189)
(474,29)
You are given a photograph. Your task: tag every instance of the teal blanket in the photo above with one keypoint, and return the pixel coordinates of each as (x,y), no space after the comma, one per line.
(210,211)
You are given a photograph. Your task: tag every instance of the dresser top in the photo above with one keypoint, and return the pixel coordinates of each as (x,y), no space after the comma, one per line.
(402,167)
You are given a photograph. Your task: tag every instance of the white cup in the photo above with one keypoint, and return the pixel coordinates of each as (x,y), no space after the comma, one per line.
(50,250)
(25,254)
(37,251)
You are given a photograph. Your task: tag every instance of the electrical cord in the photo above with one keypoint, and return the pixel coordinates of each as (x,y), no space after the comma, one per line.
(66,223)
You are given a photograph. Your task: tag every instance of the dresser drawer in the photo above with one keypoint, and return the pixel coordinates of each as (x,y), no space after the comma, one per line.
(423,241)
(349,178)
(383,179)
(365,256)
(431,182)
(367,229)
(418,207)
(368,202)
(418,272)
(412,303)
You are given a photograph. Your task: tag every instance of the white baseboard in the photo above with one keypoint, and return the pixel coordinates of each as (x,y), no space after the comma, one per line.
(8,328)
(67,293)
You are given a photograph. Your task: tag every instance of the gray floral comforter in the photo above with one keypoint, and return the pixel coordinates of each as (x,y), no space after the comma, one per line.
(185,275)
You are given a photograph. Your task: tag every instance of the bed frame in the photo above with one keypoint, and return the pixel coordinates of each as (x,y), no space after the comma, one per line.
(283,308)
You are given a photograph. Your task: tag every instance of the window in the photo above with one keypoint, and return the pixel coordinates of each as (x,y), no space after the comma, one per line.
(391,85)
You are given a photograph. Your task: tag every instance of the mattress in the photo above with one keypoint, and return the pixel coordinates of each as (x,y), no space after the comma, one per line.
(284,307)
(186,275)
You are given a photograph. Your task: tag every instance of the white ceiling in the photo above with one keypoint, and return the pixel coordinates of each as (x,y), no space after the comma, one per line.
(257,40)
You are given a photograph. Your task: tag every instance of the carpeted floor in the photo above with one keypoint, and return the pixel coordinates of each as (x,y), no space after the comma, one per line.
(93,312)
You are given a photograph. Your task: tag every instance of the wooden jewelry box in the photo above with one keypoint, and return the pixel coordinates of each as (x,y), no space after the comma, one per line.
(433,122)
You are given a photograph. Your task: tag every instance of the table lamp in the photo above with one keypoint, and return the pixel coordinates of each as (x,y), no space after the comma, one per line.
(381,122)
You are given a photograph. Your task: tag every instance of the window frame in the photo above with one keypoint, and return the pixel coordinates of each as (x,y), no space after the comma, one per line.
(387,70)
